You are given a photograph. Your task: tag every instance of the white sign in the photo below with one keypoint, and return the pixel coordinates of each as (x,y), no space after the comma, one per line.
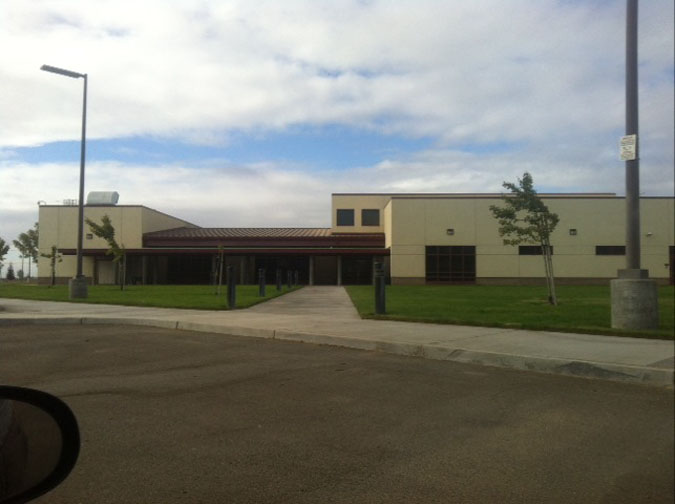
(628,147)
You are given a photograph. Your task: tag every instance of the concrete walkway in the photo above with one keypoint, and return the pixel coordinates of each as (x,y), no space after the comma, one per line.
(325,315)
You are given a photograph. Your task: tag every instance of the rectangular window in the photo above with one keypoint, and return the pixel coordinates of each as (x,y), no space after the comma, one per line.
(531,250)
(345,217)
(370,217)
(451,264)
(610,250)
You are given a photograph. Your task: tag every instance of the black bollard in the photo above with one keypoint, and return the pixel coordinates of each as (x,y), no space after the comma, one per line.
(296,277)
(278,279)
(261,282)
(289,278)
(380,304)
(231,287)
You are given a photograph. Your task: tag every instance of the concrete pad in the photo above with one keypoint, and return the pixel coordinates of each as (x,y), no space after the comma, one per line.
(619,350)
(321,301)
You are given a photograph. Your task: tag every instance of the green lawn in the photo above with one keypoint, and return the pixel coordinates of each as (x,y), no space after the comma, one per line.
(200,297)
(584,309)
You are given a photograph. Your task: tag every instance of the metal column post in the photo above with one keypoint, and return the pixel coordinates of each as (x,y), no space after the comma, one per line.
(339,270)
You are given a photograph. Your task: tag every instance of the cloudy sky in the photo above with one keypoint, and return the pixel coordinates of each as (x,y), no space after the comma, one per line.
(241,113)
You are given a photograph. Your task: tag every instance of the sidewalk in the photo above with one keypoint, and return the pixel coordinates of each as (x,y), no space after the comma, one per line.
(325,315)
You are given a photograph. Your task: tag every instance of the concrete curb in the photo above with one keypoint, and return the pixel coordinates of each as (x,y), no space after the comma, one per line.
(164,324)
(551,365)
(39,321)
(248,332)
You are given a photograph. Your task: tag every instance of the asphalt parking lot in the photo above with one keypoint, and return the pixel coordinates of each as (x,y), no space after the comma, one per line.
(175,416)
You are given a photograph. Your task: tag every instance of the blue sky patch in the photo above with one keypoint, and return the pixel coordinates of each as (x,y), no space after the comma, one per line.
(322,148)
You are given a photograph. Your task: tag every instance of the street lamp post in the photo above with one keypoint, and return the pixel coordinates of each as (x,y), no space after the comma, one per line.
(77,286)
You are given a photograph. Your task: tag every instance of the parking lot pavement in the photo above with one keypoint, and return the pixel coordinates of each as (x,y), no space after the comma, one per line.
(175,416)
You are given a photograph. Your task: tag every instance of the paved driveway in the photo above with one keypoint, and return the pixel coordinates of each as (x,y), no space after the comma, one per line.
(171,416)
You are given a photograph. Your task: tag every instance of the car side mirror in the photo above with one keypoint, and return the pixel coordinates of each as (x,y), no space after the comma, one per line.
(39,443)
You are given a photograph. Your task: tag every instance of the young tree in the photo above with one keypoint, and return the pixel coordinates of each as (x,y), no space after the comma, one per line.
(526,219)
(106,231)
(27,244)
(4,248)
(23,253)
(10,272)
(53,257)
(33,241)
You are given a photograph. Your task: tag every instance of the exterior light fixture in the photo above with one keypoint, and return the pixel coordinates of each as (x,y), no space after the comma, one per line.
(77,286)
(450,231)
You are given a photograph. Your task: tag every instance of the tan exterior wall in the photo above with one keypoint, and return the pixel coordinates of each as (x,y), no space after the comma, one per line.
(387,224)
(358,202)
(419,221)
(58,226)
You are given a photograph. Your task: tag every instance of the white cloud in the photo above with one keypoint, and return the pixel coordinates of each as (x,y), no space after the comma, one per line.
(463,71)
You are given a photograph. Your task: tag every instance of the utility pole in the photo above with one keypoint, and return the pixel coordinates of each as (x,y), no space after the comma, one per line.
(632,161)
(634,295)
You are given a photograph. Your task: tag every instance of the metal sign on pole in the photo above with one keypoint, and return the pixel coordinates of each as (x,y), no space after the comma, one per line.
(628,148)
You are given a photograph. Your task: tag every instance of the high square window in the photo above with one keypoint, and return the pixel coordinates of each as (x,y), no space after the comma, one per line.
(370,217)
(345,217)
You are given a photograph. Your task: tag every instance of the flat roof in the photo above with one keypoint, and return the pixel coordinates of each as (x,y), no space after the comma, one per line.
(478,195)
(121,206)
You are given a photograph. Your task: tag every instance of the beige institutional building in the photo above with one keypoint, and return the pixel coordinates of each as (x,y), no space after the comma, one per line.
(420,238)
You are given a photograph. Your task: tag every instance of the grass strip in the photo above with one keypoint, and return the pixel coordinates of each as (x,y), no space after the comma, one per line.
(199,297)
(581,309)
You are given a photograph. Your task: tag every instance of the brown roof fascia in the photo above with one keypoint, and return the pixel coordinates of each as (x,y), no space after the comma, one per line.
(237,251)
(332,241)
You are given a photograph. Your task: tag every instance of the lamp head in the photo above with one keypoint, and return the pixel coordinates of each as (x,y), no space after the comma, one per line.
(61,71)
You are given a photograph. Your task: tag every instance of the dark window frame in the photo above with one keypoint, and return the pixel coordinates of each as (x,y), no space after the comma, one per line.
(450,263)
(610,250)
(341,217)
(531,250)
(369,221)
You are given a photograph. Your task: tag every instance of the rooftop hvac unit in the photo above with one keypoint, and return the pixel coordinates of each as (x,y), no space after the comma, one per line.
(103,198)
